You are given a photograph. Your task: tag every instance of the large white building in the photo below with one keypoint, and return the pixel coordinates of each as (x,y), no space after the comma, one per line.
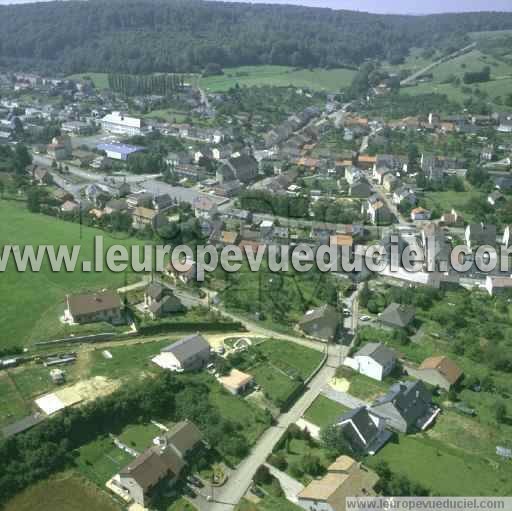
(120,124)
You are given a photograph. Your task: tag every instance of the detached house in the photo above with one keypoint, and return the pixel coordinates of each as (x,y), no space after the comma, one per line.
(94,307)
(188,354)
(364,431)
(374,360)
(163,461)
(404,194)
(345,478)
(439,371)
(320,323)
(407,406)
(397,316)
(160,301)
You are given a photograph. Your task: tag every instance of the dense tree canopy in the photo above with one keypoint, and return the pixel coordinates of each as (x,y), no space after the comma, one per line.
(137,36)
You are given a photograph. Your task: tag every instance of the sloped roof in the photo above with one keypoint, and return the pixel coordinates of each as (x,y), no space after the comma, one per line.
(187,347)
(397,315)
(362,421)
(184,436)
(445,366)
(378,352)
(153,465)
(91,303)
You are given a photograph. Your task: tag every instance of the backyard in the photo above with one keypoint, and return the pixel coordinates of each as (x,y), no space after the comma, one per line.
(324,411)
(443,469)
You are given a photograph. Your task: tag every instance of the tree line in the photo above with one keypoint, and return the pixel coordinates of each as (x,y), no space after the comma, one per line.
(140,85)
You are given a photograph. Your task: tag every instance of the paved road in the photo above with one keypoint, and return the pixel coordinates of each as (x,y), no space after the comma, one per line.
(229,495)
(94,176)
(290,486)
(426,69)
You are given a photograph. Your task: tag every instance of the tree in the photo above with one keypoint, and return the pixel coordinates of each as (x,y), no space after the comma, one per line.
(2,189)
(333,438)
(263,475)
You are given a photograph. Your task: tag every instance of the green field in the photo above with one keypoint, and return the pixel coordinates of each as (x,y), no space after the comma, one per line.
(281,76)
(443,202)
(444,470)
(324,411)
(12,405)
(64,492)
(31,302)
(500,84)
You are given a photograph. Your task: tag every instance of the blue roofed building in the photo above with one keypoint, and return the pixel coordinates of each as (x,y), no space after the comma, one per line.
(119,151)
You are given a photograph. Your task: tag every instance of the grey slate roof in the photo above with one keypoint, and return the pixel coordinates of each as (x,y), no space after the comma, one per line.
(362,421)
(378,352)
(187,347)
(411,399)
(397,315)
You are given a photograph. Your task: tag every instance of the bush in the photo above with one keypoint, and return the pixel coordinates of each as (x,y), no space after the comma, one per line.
(262,475)
(278,461)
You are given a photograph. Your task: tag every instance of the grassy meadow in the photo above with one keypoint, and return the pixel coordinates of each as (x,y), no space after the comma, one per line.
(280,76)
(31,302)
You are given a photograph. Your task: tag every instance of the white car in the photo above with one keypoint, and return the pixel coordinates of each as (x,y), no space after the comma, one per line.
(364,318)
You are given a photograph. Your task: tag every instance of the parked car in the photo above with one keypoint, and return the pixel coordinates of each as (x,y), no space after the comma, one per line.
(364,318)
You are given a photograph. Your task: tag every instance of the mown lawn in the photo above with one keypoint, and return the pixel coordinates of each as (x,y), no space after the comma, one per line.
(128,361)
(277,386)
(63,492)
(139,436)
(281,76)
(291,358)
(101,459)
(30,302)
(444,470)
(324,411)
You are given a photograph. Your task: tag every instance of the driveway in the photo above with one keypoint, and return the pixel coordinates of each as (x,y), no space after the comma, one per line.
(290,486)
(343,398)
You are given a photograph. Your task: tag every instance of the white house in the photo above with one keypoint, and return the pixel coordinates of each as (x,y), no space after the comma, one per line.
(374,360)
(120,124)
